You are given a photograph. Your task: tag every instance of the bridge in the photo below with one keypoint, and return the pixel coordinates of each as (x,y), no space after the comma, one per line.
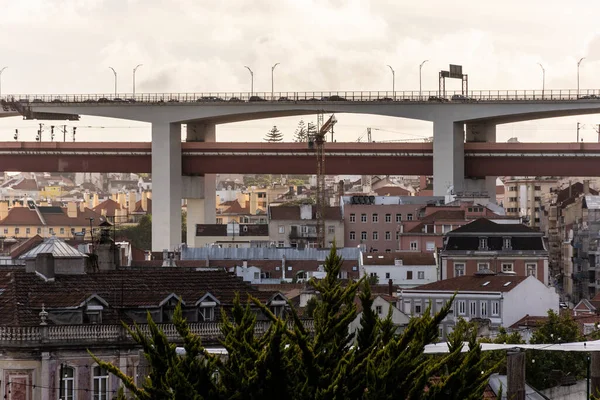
(200,158)
(456,117)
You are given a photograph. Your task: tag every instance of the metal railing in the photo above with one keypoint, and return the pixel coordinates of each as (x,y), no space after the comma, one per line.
(311,97)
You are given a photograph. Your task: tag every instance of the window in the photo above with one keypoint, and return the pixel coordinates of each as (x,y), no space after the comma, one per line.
(512,188)
(100,384)
(459,269)
(27,231)
(387,275)
(375,217)
(537,187)
(331,229)
(462,307)
(39,231)
(531,270)
(482,266)
(495,308)
(363,235)
(375,235)
(417,309)
(446,228)
(363,217)
(398,217)
(352,217)
(206,314)
(507,267)
(414,246)
(388,250)
(473,309)
(537,198)
(507,244)
(430,246)
(6,231)
(68,383)
(379,310)
(220,221)
(482,243)
(409,275)
(52,231)
(352,235)
(409,217)
(16,231)
(62,231)
(388,236)
(72,230)
(512,199)
(281,229)
(421,274)
(388,217)
(398,235)
(483,306)
(281,243)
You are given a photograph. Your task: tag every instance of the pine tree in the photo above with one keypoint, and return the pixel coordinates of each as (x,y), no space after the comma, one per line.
(274,135)
(300,135)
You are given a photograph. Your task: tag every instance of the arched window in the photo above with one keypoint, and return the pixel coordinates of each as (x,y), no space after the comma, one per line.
(100,383)
(67,383)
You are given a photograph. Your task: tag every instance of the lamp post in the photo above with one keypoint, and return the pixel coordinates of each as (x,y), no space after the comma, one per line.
(543,79)
(251,80)
(578,64)
(114,72)
(420,68)
(393,82)
(272,80)
(135,69)
(1,70)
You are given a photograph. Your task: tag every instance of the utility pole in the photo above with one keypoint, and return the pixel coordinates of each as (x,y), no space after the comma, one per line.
(74,130)
(578,124)
(64,133)
(52,133)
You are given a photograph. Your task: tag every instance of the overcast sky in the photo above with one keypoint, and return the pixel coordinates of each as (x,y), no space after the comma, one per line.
(67,46)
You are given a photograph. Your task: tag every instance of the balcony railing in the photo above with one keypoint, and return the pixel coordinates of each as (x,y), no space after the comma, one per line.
(99,333)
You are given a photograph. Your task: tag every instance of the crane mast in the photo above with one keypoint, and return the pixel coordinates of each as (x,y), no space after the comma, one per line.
(319,141)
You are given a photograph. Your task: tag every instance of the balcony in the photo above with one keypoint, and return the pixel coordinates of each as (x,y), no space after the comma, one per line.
(69,335)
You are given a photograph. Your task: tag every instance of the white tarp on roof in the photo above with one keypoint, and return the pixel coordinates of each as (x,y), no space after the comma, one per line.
(593,345)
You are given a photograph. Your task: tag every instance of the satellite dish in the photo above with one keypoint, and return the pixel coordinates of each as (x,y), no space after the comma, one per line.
(450,189)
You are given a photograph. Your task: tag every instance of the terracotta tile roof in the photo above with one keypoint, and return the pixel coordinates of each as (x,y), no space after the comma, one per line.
(233,207)
(24,293)
(391,191)
(26,245)
(406,257)
(529,322)
(139,209)
(26,184)
(54,216)
(473,283)
(287,213)
(576,189)
(109,205)
(21,216)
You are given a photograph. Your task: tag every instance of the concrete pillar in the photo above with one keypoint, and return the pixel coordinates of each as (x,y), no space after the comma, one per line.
(166,178)
(482,133)
(200,191)
(448,156)
(45,377)
(515,375)
(595,373)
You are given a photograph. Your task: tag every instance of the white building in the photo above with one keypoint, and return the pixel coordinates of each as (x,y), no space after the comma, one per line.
(381,306)
(493,300)
(406,270)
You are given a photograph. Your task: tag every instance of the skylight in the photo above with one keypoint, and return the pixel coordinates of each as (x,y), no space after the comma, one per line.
(507,283)
(486,283)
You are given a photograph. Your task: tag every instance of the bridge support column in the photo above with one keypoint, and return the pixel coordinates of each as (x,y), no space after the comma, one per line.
(483,133)
(200,191)
(166,180)
(448,156)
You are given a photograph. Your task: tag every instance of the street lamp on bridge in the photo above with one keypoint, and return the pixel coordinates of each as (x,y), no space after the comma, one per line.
(135,69)
(1,70)
(578,64)
(272,80)
(420,68)
(114,72)
(393,82)
(543,79)
(251,80)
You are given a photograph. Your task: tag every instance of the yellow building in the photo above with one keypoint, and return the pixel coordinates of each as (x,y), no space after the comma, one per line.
(52,192)
(31,219)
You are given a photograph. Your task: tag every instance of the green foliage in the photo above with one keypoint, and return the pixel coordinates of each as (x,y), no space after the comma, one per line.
(560,328)
(184,227)
(311,305)
(373,279)
(289,362)
(274,135)
(140,235)
(300,135)
(497,359)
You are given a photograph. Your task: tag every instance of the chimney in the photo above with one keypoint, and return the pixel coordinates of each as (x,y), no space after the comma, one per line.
(586,186)
(95,200)
(122,200)
(391,288)
(82,206)
(114,197)
(149,194)
(3,210)
(253,203)
(145,201)
(283,268)
(72,210)
(85,200)
(132,200)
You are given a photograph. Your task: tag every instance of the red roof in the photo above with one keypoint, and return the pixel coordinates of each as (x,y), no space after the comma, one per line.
(392,191)
(53,216)
(474,283)
(283,213)
(109,205)
(26,184)
(139,209)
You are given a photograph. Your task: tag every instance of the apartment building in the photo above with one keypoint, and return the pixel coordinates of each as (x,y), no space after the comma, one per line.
(405,270)
(485,245)
(523,197)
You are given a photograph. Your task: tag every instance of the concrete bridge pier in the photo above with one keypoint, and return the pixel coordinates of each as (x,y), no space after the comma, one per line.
(448,156)
(482,133)
(200,191)
(167,184)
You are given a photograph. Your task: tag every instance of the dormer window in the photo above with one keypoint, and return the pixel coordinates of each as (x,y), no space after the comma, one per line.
(206,311)
(483,244)
(93,314)
(507,243)
(277,305)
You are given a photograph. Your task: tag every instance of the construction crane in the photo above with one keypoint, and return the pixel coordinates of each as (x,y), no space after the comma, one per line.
(318,140)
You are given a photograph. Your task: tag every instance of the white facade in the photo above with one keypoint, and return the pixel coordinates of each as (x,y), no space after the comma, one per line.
(530,297)
(405,276)
(381,308)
